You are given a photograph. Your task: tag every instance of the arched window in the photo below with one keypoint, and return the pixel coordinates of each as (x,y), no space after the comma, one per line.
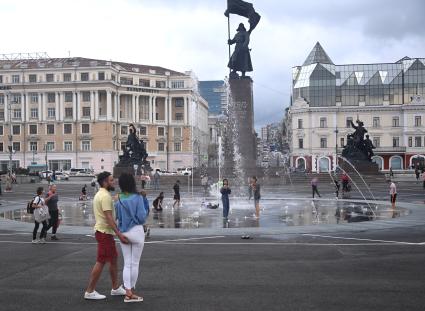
(396,163)
(300,163)
(378,160)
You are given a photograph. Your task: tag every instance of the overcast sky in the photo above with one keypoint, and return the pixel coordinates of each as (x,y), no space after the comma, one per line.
(192,35)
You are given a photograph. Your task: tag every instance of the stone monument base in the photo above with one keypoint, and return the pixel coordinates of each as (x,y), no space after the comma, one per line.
(364,167)
(118,170)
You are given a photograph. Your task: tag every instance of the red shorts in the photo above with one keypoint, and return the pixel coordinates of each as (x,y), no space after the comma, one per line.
(106,250)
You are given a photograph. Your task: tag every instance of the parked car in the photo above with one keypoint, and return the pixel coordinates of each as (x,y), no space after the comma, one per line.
(184,171)
(45,174)
(61,176)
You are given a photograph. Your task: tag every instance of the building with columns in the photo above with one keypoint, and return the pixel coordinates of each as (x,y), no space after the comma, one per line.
(388,97)
(75,112)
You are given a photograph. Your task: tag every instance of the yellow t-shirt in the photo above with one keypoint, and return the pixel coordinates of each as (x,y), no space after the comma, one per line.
(102,201)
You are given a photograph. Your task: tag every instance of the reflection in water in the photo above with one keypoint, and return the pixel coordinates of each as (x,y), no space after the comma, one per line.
(274,213)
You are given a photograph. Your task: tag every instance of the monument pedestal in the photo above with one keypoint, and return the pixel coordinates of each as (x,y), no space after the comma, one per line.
(364,167)
(240,150)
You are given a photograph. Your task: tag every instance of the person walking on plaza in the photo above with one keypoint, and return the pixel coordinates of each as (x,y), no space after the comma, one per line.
(105,228)
(337,187)
(156,178)
(391,172)
(423,179)
(131,213)
(225,191)
(417,174)
(393,196)
(176,189)
(255,188)
(157,203)
(51,200)
(41,216)
(204,184)
(314,182)
(249,188)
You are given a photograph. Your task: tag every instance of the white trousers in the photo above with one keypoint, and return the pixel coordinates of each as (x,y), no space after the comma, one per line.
(131,253)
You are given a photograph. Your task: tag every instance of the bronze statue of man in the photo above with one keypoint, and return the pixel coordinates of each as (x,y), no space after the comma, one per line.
(241,58)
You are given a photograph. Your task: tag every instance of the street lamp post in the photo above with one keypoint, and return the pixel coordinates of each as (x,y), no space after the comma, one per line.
(336,147)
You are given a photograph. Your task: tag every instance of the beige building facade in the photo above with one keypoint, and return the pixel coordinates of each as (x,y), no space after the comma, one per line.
(76,112)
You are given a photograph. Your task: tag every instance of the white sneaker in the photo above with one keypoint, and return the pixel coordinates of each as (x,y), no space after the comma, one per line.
(35,241)
(43,241)
(120,291)
(94,295)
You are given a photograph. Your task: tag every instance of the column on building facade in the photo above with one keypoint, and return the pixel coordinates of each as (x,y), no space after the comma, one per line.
(154,109)
(150,109)
(27,108)
(92,107)
(74,106)
(6,108)
(133,107)
(313,163)
(57,109)
(117,107)
(166,108)
(108,105)
(137,112)
(96,104)
(61,111)
(40,106)
(23,107)
(43,111)
(186,100)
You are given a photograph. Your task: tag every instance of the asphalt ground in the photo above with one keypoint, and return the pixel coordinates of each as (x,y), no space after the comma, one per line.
(374,269)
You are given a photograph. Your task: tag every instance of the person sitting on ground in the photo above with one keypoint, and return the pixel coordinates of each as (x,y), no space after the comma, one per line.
(157,203)
(83,196)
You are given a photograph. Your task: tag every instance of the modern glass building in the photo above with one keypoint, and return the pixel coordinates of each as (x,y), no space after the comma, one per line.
(322,83)
(215,93)
(388,97)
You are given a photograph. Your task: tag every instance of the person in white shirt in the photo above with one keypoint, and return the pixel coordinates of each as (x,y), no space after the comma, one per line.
(393,196)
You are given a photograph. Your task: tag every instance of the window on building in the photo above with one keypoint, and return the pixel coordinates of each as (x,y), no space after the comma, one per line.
(418,141)
(179,116)
(161,147)
(67,146)
(114,129)
(143,131)
(300,143)
(86,96)
(361,98)
(16,113)
(177,132)
(32,78)
(376,142)
(1,79)
(177,84)
(418,121)
(50,129)
(16,98)
(86,112)
(1,147)
(34,113)
(50,145)
(386,98)
(49,77)
(67,77)
(160,84)
(177,147)
(113,77)
(51,98)
(124,130)
(348,121)
(84,76)
(144,82)
(179,102)
(396,141)
(161,131)
(34,98)
(33,129)
(15,78)
(68,97)
(338,99)
(85,128)
(16,146)
(68,112)
(126,80)
(51,112)
(2,115)
(342,141)
(1,130)
(101,76)
(86,145)
(16,130)
(376,122)
(1,99)
(323,122)
(300,123)
(410,141)
(323,143)
(123,144)
(67,128)
(396,121)
(33,146)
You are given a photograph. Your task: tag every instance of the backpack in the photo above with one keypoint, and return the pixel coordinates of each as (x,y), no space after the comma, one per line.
(30,208)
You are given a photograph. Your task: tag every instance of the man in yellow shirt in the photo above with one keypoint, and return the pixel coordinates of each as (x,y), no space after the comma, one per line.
(105,228)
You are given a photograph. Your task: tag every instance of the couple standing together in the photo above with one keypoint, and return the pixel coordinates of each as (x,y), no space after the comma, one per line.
(124,219)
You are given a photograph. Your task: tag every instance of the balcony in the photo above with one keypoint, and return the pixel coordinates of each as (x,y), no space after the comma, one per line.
(390,149)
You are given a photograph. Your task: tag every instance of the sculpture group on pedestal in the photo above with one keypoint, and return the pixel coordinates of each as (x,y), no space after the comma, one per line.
(358,148)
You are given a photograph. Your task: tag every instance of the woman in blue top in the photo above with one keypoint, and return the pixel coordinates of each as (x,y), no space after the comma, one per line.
(131,215)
